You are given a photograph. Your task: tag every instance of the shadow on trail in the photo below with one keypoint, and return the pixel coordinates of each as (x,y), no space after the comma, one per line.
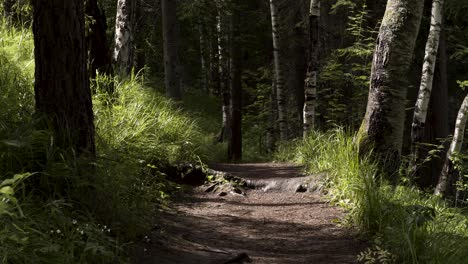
(278,228)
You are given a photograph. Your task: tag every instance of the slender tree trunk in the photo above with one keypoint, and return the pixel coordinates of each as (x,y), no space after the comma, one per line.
(235,140)
(124,29)
(99,52)
(61,82)
(382,127)
(443,187)
(424,96)
(310,98)
(273,115)
(171,53)
(222,39)
(8,12)
(280,85)
(203,61)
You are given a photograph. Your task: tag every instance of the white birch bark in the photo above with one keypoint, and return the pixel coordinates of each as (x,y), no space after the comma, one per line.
(280,85)
(425,89)
(123,44)
(310,99)
(455,147)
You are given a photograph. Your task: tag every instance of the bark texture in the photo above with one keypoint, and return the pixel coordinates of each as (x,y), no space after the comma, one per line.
(99,52)
(124,29)
(61,82)
(425,89)
(171,53)
(446,177)
(279,76)
(310,98)
(382,127)
(235,124)
(8,10)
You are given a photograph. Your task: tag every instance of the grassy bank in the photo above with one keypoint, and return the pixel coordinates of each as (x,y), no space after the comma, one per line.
(57,208)
(404,224)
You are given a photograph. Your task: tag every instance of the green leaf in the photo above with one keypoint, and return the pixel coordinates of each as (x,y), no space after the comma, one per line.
(7,190)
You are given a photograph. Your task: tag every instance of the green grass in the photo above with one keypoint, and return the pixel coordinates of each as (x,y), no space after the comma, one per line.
(56,208)
(405,224)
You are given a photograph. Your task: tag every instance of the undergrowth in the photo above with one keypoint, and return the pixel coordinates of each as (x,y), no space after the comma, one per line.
(405,224)
(57,208)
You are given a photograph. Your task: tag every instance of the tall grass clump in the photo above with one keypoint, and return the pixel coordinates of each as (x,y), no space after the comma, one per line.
(404,224)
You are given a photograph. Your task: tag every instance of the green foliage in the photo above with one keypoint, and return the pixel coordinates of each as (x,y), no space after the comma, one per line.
(344,78)
(408,226)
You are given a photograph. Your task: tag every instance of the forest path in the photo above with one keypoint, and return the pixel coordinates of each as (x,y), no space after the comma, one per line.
(270,227)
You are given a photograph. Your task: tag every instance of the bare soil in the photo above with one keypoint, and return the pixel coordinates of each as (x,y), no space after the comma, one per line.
(269,227)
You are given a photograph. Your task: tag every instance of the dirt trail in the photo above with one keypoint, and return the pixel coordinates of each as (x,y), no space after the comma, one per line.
(269,227)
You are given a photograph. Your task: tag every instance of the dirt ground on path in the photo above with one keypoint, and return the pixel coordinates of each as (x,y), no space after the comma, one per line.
(269,227)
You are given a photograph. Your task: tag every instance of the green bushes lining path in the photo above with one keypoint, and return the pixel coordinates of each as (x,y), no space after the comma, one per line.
(406,225)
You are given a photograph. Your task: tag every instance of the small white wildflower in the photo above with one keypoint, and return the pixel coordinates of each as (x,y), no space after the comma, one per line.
(108,230)
(81,232)
(52,231)
(74,222)
(145,249)
(58,231)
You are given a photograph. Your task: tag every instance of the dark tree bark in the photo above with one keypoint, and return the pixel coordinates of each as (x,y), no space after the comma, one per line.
(61,81)
(99,52)
(171,57)
(382,127)
(8,10)
(235,125)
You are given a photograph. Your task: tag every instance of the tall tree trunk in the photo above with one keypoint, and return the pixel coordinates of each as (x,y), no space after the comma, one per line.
(382,127)
(273,114)
(8,12)
(310,98)
(124,30)
(424,96)
(99,53)
(61,82)
(203,56)
(280,87)
(223,86)
(445,179)
(235,125)
(439,107)
(171,52)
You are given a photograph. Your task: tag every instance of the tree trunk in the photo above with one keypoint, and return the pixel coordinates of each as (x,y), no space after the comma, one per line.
(203,61)
(382,127)
(235,125)
(99,53)
(171,53)
(273,114)
(61,82)
(8,12)
(310,98)
(424,96)
(124,30)
(280,87)
(223,86)
(443,186)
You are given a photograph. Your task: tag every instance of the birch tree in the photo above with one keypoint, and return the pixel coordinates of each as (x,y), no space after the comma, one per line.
(425,89)
(222,62)
(382,127)
(445,179)
(123,54)
(310,99)
(171,53)
(280,87)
